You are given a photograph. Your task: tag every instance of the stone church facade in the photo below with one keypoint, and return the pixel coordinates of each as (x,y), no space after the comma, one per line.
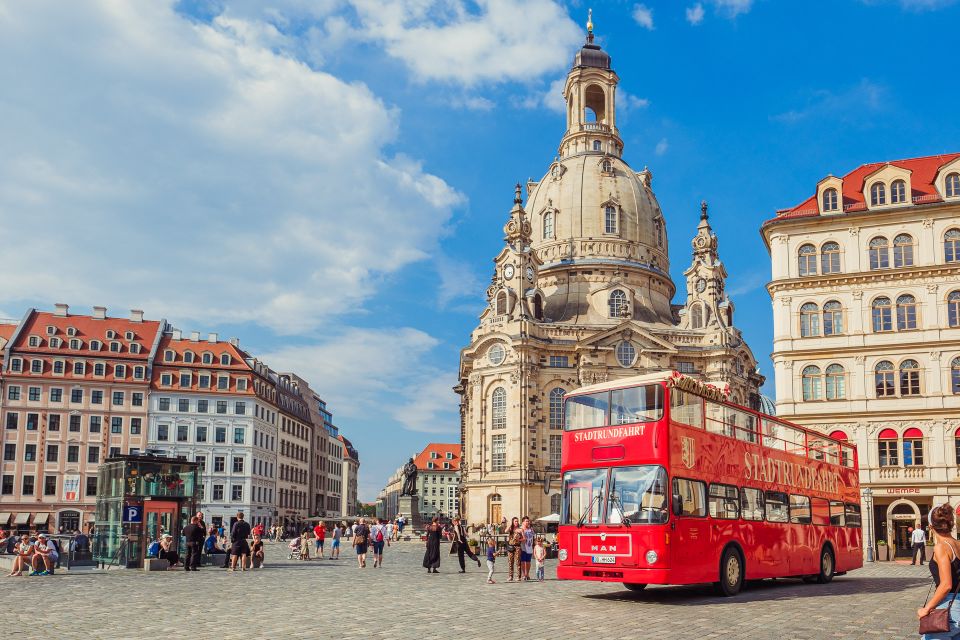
(581,293)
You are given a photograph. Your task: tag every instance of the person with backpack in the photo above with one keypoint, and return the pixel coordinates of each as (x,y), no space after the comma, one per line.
(361,539)
(378,533)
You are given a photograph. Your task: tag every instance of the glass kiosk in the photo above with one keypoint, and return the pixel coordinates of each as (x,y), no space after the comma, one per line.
(140,498)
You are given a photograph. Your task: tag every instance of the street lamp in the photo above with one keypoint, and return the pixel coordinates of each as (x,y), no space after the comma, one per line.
(868,502)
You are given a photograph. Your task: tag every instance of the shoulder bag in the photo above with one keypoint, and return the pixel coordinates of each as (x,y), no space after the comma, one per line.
(938,620)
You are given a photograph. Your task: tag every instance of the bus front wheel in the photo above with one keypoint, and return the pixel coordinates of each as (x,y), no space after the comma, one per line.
(826,566)
(635,586)
(731,572)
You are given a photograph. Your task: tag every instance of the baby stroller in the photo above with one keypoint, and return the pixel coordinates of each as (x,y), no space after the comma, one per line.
(294,549)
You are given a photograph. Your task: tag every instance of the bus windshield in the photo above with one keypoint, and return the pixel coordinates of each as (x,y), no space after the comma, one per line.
(583,492)
(620,406)
(636,495)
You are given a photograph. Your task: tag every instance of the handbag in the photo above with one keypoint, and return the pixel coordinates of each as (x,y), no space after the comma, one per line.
(938,620)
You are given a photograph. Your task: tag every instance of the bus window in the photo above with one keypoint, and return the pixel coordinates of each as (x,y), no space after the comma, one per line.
(771,435)
(686,408)
(776,507)
(587,411)
(693,494)
(583,494)
(724,502)
(799,509)
(836,513)
(742,423)
(751,502)
(820,510)
(846,456)
(636,404)
(715,421)
(852,515)
(638,495)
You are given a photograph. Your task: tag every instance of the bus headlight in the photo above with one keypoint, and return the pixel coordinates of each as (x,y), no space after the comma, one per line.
(651,556)
(562,554)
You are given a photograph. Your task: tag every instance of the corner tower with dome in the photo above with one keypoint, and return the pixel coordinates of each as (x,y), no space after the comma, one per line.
(581,293)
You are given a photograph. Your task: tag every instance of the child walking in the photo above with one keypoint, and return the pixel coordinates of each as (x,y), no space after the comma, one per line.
(491,559)
(539,555)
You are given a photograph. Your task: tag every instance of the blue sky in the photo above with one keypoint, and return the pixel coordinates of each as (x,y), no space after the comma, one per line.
(328,179)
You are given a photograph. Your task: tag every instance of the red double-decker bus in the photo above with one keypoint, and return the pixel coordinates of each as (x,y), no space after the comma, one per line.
(665,482)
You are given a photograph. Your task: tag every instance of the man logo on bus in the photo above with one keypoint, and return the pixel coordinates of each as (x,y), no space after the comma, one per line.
(687,453)
(603,536)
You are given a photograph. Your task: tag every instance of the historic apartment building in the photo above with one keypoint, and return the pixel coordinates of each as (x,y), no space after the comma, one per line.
(75,391)
(203,407)
(350,468)
(438,479)
(866,306)
(327,452)
(581,293)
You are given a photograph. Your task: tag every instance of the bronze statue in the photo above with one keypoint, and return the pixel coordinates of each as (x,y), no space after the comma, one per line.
(409,479)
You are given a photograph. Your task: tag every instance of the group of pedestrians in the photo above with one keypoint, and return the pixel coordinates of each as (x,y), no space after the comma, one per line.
(39,554)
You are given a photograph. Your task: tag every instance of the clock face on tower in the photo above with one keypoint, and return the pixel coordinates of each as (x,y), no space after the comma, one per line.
(530,274)
(508,271)
(701,285)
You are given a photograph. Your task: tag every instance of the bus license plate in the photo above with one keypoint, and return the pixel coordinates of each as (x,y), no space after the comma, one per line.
(604,560)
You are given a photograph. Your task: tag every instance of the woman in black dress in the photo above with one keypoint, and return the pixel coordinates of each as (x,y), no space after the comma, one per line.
(431,557)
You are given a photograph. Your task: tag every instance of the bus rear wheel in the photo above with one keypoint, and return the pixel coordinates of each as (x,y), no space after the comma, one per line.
(635,586)
(826,566)
(731,572)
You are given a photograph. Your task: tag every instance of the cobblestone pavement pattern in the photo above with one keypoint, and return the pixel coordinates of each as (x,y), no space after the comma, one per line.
(335,599)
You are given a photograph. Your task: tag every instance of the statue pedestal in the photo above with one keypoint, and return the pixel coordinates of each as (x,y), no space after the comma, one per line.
(409,506)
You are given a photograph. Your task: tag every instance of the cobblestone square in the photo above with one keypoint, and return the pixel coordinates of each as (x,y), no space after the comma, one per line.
(335,599)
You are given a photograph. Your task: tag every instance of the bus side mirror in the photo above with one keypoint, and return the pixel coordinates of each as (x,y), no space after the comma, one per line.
(677,504)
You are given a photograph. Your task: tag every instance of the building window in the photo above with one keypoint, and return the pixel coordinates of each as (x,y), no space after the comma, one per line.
(835,382)
(116,424)
(220,435)
(183,433)
(236,493)
(221,406)
(953,309)
(878,194)
(898,192)
(75,424)
(73,453)
(809,320)
(166,379)
(223,382)
(906,312)
(239,435)
(810,381)
(498,408)
(163,432)
(879,253)
(95,424)
(903,250)
(240,408)
(93,455)
(117,398)
(952,184)
(956,446)
(238,464)
(202,406)
(909,378)
(913,447)
(219,464)
(609,219)
(225,359)
(217,492)
(36,366)
(185,380)
(164,404)
(188,356)
(135,426)
(830,199)
(138,373)
(498,453)
(201,434)
(830,258)
(555,448)
(596,145)
(547,225)
(626,354)
(832,318)
(617,303)
(556,408)
(882,314)
(606,166)
(887,444)
(807,260)
(883,379)
(50,485)
(33,394)
(168,355)
(53,422)
(951,245)
(183,405)
(563,361)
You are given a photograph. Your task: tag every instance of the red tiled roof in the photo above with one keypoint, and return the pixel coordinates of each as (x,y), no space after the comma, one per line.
(87,328)
(441,450)
(924,172)
(6,330)
(180,347)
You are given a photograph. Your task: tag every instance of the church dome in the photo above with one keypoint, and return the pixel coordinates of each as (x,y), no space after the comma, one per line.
(593,208)
(591,55)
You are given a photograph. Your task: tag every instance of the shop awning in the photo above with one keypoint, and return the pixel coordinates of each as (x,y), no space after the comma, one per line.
(4,518)
(22,518)
(40,518)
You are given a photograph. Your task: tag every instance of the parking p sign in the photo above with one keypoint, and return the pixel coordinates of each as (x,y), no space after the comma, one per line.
(132,513)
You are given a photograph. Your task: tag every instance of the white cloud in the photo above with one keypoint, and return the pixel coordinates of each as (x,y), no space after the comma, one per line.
(661,147)
(695,14)
(383,370)
(551,99)
(733,8)
(459,282)
(850,104)
(915,5)
(471,42)
(643,16)
(190,169)
(629,102)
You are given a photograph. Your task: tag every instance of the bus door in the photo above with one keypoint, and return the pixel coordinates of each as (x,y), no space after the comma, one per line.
(690,545)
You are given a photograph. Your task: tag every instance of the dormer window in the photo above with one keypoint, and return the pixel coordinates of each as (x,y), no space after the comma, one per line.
(75,344)
(95,345)
(115,347)
(830,199)
(51,330)
(169,355)
(878,194)
(134,348)
(16,365)
(55,342)
(71,331)
(111,334)
(617,303)
(128,335)
(99,369)
(225,358)
(952,185)
(33,341)
(207,358)
(188,356)
(898,192)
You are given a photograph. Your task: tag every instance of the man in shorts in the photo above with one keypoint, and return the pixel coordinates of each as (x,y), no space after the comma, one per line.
(239,547)
(320,533)
(335,545)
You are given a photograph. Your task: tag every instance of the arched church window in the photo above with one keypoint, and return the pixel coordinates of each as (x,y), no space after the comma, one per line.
(617,303)
(502,303)
(556,408)
(538,307)
(548,225)
(498,408)
(626,354)
(597,146)
(555,503)
(696,320)
(607,166)
(610,219)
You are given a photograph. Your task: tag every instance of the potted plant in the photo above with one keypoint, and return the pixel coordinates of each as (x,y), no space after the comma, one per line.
(883,552)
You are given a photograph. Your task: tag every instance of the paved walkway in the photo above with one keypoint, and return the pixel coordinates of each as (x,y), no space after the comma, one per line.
(324,599)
